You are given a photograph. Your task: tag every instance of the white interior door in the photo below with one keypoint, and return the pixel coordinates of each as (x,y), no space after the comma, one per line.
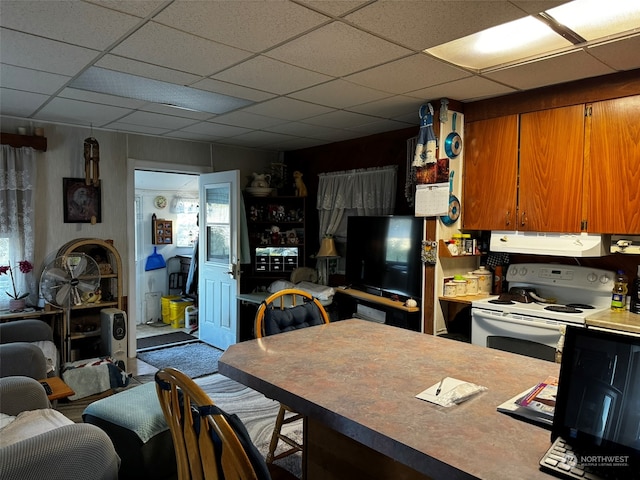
(218,251)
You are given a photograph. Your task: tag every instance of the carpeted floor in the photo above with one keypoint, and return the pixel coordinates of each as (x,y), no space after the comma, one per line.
(257,412)
(194,359)
(167,338)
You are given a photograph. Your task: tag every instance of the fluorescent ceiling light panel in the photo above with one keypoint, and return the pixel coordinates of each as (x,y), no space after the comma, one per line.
(101,80)
(522,38)
(530,38)
(596,19)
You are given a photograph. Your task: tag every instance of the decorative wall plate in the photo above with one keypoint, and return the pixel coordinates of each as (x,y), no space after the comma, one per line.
(160,201)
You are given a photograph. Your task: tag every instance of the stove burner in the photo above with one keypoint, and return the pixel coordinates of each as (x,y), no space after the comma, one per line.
(582,306)
(498,301)
(562,309)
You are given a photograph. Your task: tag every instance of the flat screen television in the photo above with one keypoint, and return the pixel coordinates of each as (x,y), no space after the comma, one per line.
(383,255)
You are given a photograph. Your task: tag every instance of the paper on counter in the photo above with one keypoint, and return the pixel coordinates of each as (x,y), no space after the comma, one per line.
(452,392)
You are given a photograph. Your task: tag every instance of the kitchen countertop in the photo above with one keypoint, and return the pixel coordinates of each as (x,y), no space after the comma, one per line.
(360,379)
(623,321)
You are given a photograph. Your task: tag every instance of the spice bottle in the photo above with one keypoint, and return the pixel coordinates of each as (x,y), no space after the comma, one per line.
(497,280)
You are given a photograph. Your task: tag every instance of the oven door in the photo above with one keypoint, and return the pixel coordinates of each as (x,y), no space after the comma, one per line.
(521,334)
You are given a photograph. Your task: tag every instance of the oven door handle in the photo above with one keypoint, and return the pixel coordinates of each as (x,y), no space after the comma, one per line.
(535,322)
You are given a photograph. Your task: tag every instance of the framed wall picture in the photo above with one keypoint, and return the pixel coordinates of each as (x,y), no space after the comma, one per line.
(82,202)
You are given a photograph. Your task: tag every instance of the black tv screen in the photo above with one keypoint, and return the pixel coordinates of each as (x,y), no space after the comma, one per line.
(383,255)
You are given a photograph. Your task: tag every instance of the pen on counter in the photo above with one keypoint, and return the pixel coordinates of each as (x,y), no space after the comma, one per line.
(439,387)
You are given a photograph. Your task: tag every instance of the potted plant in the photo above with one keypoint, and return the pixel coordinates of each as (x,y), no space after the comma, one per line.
(17,302)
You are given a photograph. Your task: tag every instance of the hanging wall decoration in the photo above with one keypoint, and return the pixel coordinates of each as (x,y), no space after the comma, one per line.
(91,162)
(82,202)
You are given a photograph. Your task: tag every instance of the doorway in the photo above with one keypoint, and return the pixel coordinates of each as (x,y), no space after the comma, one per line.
(172,197)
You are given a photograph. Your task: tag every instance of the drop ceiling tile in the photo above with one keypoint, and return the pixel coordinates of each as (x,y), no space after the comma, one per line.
(271,75)
(139,8)
(407,74)
(287,109)
(467,89)
(558,69)
(252,26)
(156,120)
(201,137)
(29,80)
(334,7)
(537,6)
(216,129)
(225,88)
(379,127)
(296,144)
(132,127)
(341,119)
(259,138)
(143,69)
(339,94)
(621,55)
(389,107)
(176,112)
(420,25)
(338,49)
(76,112)
(18,103)
(179,51)
(301,129)
(99,28)
(248,120)
(101,98)
(45,55)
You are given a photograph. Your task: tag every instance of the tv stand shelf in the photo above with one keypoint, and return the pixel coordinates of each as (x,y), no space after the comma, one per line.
(376,308)
(387,302)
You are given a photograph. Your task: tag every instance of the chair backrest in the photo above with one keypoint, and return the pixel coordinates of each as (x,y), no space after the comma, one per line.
(208,442)
(286,310)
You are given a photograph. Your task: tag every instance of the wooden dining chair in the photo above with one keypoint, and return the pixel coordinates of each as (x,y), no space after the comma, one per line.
(209,443)
(283,311)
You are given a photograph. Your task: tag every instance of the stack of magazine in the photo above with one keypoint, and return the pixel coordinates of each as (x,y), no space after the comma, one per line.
(536,404)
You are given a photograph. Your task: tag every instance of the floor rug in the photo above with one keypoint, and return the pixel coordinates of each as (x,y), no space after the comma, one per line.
(167,338)
(194,359)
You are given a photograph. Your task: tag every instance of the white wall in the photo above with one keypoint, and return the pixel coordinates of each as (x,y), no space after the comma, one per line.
(65,158)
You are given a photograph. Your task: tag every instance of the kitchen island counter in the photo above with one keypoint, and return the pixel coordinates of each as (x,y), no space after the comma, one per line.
(356,382)
(622,321)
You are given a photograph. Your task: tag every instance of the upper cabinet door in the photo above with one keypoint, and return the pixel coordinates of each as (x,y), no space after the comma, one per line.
(613,170)
(551,166)
(490,174)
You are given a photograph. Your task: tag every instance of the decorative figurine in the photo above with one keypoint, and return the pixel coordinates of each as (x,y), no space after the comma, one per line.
(301,188)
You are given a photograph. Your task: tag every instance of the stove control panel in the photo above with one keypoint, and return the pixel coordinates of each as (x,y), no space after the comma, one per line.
(592,279)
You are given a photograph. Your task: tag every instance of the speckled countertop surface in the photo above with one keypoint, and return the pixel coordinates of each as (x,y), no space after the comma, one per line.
(360,378)
(624,321)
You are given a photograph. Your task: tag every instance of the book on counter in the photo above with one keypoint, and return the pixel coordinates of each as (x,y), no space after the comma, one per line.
(536,404)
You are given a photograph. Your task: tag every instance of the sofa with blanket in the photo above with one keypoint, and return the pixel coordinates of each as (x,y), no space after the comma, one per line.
(38,442)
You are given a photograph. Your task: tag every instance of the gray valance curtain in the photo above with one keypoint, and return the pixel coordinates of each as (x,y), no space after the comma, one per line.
(370,191)
(17,207)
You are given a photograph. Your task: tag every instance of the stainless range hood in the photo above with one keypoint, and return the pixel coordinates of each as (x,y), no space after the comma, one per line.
(557,244)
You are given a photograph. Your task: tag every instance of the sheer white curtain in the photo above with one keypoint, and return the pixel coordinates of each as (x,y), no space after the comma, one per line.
(17,198)
(370,191)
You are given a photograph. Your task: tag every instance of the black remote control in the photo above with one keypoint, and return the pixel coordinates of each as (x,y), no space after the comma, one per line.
(47,388)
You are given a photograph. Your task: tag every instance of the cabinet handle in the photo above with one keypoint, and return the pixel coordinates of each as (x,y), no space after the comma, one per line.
(508,219)
(523,219)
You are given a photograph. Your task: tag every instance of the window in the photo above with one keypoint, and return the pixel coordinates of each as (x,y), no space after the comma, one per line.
(186,230)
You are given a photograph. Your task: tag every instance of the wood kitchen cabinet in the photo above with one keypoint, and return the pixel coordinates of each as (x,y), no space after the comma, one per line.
(613,167)
(490,174)
(551,170)
(538,189)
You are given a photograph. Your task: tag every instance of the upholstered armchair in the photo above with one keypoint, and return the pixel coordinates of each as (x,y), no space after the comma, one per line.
(21,349)
(30,449)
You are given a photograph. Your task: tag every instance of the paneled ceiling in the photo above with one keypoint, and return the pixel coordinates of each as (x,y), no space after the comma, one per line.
(290,74)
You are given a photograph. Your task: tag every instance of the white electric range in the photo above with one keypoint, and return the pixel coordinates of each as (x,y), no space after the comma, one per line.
(542,299)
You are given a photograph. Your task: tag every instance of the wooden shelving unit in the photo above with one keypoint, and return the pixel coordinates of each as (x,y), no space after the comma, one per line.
(81,326)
